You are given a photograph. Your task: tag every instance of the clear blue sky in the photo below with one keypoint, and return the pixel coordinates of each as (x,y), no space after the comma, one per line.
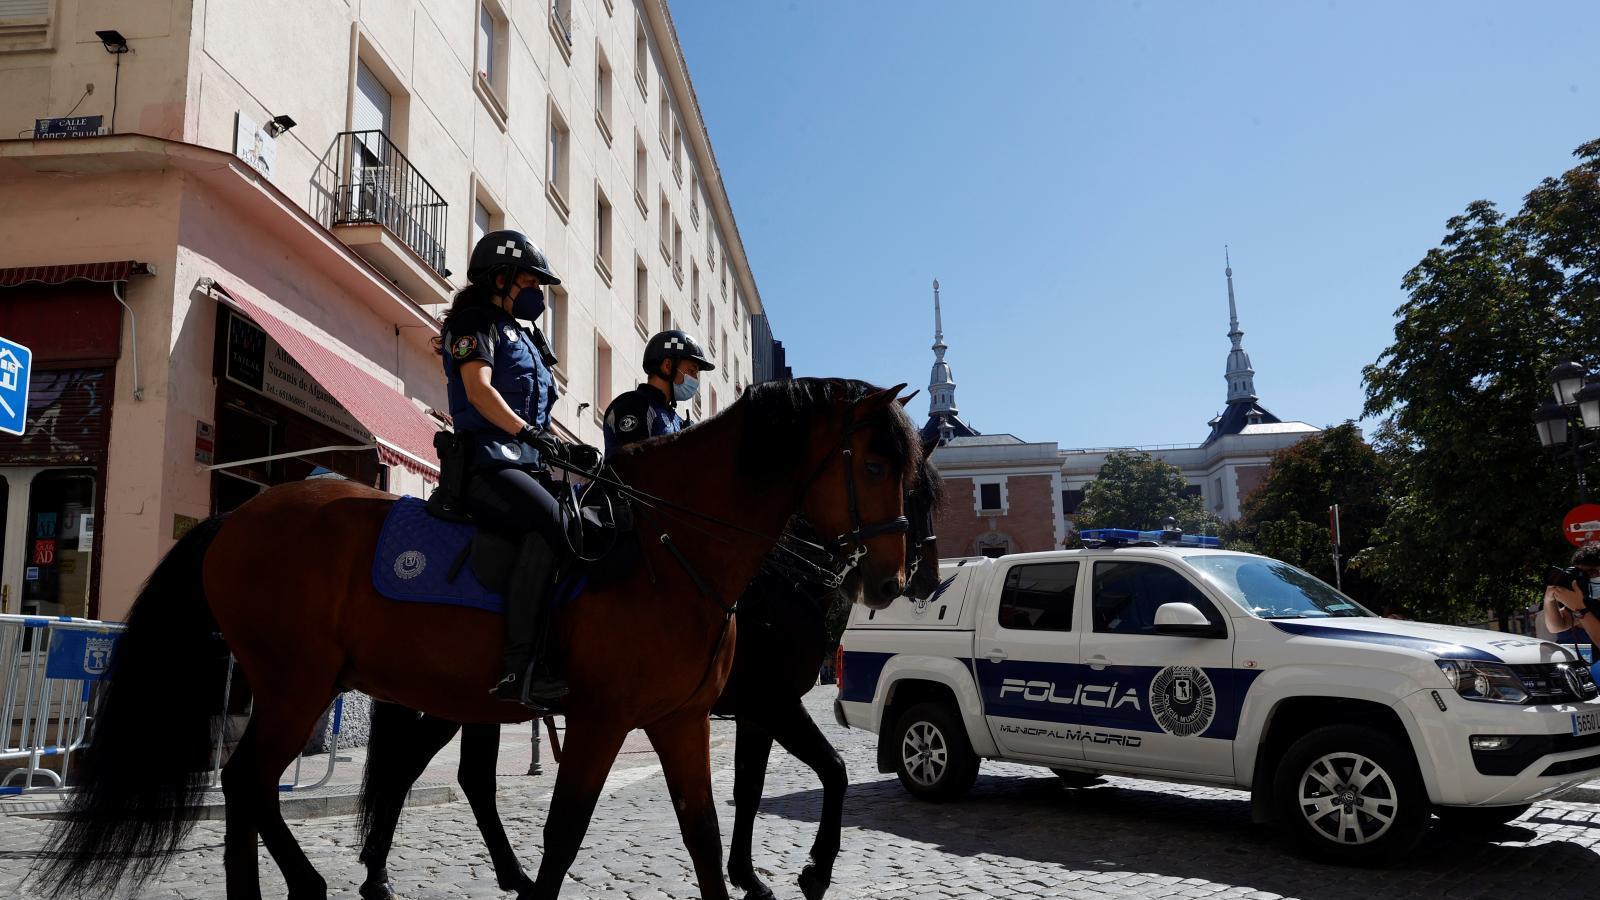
(1070,173)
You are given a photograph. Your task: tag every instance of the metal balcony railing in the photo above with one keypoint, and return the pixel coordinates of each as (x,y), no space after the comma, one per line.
(364,179)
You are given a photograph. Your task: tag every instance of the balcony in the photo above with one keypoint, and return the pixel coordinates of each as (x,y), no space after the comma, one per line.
(384,209)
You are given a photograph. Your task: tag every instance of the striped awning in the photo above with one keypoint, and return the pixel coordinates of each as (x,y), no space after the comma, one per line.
(118,270)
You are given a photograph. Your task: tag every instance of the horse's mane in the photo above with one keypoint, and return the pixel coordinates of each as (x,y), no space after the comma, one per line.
(776,418)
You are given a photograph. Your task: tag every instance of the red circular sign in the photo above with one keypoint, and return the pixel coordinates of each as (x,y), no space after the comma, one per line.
(1582,525)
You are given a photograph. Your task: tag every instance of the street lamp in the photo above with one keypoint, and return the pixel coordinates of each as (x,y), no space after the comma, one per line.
(1561,424)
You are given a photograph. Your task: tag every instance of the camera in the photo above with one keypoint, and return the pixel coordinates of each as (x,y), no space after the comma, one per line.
(1564,577)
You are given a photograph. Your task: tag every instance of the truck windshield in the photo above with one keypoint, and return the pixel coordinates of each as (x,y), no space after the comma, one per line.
(1274,590)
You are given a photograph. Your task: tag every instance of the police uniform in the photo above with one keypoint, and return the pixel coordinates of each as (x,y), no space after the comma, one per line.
(517,373)
(638,414)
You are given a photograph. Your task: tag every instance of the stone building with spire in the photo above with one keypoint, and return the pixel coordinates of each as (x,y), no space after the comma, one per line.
(1008,495)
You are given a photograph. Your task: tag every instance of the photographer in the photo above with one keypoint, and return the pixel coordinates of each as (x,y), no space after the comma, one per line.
(1568,594)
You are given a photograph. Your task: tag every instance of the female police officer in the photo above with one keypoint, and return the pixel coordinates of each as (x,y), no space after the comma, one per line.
(501,393)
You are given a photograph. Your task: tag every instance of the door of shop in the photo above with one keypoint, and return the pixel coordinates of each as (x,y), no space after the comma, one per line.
(46,568)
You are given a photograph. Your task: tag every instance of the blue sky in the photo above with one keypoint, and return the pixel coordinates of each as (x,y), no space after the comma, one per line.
(1071,171)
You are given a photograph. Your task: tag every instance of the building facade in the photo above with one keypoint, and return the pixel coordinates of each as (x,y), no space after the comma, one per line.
(230,239)
(1007,495)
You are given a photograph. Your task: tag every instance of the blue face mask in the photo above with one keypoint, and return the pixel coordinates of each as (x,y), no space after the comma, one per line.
(685,390)
(528,304)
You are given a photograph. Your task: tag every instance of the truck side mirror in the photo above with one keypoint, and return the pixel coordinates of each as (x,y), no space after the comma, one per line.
(1184,620)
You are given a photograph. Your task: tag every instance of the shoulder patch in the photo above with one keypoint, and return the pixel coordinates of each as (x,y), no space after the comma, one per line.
(628,422)
(464,346)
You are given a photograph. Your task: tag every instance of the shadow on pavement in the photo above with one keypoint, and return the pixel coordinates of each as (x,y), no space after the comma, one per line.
(1109,832)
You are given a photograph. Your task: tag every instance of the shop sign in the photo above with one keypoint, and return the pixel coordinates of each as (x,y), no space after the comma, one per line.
(252,144)
(257,362)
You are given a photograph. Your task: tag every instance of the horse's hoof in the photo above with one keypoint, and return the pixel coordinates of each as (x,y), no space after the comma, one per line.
(377,890)
(522,884)
(760,892)
(814,882)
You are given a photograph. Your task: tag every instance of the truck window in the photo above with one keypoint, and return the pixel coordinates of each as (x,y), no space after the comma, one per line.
(1127,595)
(1039,597)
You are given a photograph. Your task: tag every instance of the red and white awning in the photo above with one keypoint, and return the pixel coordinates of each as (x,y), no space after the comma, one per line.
(402,433)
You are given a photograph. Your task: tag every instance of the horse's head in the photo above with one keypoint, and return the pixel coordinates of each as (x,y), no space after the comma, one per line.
(855,456)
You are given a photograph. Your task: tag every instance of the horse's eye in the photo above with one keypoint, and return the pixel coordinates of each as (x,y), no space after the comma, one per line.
(876,470)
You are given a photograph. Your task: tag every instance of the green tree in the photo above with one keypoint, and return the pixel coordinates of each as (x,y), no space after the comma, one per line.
(1287,516)
(1475,504)
(1136,490)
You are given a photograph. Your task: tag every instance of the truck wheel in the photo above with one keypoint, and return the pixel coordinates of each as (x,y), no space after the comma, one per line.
(1470,819)
(1351,795)
(932,755)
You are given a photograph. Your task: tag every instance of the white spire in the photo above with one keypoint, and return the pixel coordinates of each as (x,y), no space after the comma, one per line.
(941,384)
(1240,376)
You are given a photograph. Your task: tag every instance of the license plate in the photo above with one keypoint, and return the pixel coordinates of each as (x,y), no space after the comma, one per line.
(1585,723)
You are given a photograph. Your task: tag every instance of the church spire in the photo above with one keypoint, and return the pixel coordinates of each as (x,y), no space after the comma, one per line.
(941,383)
(1240,376)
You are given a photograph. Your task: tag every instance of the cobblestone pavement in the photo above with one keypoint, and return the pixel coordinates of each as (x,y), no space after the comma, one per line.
(1019,835)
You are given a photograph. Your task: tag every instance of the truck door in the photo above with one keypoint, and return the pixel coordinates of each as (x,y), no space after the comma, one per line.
(1025,643)
(1182,707)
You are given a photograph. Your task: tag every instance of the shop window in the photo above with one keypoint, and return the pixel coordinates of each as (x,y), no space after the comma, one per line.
(60,542)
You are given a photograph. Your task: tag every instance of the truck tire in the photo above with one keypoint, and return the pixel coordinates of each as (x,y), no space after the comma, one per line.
(1474,819)
(931,753)
(1351,795)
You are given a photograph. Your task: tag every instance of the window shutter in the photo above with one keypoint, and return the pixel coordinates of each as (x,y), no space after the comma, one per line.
(373,103)
(26,10)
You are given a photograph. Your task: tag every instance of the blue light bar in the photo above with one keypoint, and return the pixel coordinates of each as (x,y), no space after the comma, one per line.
(1157,537)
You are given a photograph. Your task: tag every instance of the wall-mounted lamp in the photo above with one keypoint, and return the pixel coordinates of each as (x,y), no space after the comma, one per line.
(278,125)
(113,41)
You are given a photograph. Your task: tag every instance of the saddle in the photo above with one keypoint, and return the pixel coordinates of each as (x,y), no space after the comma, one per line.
(472,563)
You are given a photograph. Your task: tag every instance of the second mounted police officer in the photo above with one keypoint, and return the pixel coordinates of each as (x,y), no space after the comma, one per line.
(673,362)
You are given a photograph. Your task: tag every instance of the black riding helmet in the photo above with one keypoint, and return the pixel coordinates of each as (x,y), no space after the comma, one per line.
(507,248)
(673,344)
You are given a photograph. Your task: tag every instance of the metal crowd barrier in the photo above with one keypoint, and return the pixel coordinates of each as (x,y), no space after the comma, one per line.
(52,675)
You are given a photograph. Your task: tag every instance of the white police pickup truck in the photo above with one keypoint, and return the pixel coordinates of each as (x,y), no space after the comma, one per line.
(1189,664)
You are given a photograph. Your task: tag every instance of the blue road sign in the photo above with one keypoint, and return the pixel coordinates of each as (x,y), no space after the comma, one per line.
(15,362)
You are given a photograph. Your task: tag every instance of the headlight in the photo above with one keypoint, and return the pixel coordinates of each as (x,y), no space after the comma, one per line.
(1488,681)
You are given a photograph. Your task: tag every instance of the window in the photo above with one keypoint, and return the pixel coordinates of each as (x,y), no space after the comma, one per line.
(989,497)
(602,375)
(711,239)
(698,414)
(1127,595)
(694,290)
(738,303)
(1039,598)
(554,324)
(677,152)
(1070,501)
(994,549)
(711,329)
(602,234)
(492,55)
(1192,490)
(694,200)
(664,126)
(641,174)
(724,350)
(666,316)
(28,25)
(641,57)
(713,394)
(556,171)
(724,273)
(641,294)
(677,251)
(664,209)
(737,381)
(482,222)
(561,26)
(602,93)
(1216,492)
(374,107)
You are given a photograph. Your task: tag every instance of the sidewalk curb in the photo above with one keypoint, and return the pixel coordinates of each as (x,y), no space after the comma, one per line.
(340,800)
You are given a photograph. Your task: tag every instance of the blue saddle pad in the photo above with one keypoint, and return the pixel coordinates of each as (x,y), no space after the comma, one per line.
(415,554)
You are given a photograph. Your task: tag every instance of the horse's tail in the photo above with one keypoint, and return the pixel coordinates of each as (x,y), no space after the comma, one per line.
(150,749)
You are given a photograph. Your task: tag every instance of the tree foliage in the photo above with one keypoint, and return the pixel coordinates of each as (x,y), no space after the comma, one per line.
(1136,490)
(1287,516)
(1475,503)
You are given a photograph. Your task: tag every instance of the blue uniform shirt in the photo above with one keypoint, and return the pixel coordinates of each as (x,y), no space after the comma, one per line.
(517,373)
(640,413)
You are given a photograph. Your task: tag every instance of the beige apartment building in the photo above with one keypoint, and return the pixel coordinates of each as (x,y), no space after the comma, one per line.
(227,230)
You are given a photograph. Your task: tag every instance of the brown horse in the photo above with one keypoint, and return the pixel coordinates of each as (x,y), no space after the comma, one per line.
(285,579)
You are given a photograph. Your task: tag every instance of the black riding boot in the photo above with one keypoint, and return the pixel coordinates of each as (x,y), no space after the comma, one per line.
(528,678)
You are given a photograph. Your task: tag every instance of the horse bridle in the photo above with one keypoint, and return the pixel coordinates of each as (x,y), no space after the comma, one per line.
(859,533)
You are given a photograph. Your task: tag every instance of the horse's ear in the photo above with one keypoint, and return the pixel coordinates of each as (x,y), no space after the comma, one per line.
(877,401)
(907,398)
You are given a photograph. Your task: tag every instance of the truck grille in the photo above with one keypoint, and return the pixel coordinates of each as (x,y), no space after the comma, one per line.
(1549,682)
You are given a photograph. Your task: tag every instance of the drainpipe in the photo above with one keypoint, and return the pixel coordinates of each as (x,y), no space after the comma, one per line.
(133,327)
